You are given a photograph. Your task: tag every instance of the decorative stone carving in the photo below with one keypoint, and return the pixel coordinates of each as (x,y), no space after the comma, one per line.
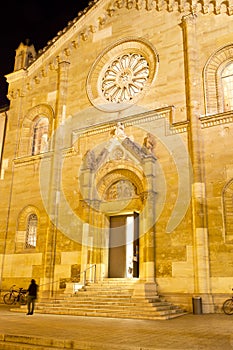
(117,153)
(122,189)
(119,131)
(136,150)
(122,73)
(149,143)
(90,161)
(125,77)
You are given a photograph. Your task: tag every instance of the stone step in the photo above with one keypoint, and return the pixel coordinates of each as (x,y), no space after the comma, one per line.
(19,342)
(117,300)
(104,301)
(112,307)
(115,281)
(110,298)
(130,303)
(135,314)
(105,292)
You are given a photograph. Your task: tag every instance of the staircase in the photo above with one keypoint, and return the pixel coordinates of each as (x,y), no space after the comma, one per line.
(114,298)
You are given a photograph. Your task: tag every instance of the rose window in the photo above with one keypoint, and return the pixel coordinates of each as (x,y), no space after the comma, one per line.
(122,74)
(125,78)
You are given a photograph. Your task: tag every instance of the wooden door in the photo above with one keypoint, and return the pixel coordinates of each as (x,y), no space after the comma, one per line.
(136,246)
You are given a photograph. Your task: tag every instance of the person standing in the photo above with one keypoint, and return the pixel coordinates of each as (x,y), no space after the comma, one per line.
(32,295)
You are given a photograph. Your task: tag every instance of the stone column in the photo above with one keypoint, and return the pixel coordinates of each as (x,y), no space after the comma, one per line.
(97,237)
(148,220)
(86,182)
(147,233)
(200,230)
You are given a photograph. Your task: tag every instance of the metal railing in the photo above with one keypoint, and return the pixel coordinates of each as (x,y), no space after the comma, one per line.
(85,274)
(55,291)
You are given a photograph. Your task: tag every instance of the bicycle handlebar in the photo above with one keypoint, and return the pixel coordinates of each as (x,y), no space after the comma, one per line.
(20,290)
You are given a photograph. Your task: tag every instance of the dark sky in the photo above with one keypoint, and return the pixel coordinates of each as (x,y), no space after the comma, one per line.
(38,21)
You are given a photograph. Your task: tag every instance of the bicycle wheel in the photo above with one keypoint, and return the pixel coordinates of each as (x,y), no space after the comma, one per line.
(23,299)
(228,307)
(9,298)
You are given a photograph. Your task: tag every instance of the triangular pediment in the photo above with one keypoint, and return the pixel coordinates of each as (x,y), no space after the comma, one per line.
(116,151)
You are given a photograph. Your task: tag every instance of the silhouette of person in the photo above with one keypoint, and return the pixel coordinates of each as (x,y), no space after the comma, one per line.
(32,296)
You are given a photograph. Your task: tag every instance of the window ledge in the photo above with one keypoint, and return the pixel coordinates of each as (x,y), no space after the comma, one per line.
(31,158)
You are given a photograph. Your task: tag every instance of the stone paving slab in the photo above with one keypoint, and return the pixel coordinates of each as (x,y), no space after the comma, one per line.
(39,331)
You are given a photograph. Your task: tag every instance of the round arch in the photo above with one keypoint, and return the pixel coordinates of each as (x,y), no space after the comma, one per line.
(212,76)
(42,110)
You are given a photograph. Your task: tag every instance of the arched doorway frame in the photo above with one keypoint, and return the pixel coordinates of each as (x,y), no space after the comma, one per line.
(141,174)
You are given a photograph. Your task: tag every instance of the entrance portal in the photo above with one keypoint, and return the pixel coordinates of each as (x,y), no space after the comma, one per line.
(124,246)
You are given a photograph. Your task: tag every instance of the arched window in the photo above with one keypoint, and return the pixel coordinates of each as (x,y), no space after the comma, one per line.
(218,81)
(31,233)
(227,86)
(40,136)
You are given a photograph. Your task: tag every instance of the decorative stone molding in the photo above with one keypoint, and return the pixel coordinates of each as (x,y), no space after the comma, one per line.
(212,76)
(42,109)
(27,123)
(23,215)
(22,161)
(166,113)
(216,119)
(122,189)
(111,175)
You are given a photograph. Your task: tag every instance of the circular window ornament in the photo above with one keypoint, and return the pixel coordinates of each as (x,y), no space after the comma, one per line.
(122,74)
(125,78)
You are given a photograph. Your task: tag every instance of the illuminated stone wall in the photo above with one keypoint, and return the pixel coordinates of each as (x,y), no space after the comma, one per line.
(151,69)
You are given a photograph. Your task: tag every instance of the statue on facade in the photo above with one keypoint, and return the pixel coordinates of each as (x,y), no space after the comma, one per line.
(149,143)
(119,131)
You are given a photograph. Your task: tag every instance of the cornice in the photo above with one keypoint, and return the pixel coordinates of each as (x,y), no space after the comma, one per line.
(32,159)
(91,20)
(16,75)
(216,119)
(166,113)
(112,7)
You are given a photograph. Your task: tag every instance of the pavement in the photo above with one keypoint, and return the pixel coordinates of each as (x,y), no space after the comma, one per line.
(46,331)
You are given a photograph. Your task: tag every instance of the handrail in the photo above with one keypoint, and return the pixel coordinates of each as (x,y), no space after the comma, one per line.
(85,273)
(84,279)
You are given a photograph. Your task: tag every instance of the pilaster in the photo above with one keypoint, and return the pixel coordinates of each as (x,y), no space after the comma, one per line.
(200,229)
(147,224)
(55,177)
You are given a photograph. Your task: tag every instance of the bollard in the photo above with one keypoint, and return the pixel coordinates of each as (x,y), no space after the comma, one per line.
(197,305)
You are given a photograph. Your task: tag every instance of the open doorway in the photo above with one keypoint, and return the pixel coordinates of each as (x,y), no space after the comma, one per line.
(124,246)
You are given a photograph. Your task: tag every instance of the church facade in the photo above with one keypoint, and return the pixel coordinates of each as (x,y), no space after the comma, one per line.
(116,160)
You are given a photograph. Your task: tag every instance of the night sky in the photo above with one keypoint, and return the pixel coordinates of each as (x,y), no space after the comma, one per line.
(38,21)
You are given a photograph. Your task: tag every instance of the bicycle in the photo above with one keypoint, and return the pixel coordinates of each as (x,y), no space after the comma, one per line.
(228,306)
(14,296)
